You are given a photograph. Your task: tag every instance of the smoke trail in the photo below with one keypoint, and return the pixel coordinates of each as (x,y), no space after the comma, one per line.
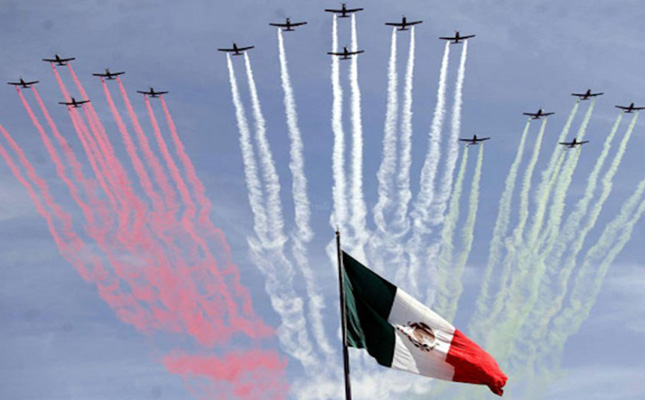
(526,187)
(283,299)
(438,208)
(591,275)
(339,217)
(445,261)
(386,170)
(216,234)
(564,181)
(249,375)
(483,308)
(571,232)
(304,234)
(271,181)
(401,223)
(454,287)
(428,174)
(159,175)
(358,210)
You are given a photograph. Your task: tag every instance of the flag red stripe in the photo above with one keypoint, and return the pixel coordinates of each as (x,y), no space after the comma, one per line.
(473,365)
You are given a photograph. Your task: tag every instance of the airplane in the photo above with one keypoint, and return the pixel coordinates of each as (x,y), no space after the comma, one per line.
(403,24)
(474,141)
(59,61)
(151,93)
(288,25)
(22,83)
(344,11)
(586,95)
(539,114)
(573,143)
(345,54)
(74,103)
(237,51)
(457,38)
(630,108)
(109,75)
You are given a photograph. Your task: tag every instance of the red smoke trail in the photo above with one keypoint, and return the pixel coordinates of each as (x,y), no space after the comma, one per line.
(72,247)
(249,375)
(187,222)
(205,206)
(158,172)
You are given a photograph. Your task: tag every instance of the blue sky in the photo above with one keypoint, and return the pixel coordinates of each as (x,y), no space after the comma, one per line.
(61,340)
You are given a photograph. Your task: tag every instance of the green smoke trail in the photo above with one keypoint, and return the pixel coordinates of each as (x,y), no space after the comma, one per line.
(444,261)
(551,303)
(453,284)
(591,275)
(532,263)
(496,245)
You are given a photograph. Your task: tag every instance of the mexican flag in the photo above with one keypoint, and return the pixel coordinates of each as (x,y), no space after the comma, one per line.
(400,332)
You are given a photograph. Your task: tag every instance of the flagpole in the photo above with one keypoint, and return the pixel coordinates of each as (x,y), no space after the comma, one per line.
(343,317)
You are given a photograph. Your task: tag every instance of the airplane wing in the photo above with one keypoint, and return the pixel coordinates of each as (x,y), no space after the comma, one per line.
(580,94)
(331,53)
(622,107)
(351,53)
(482,139)
(466,37)
(351,10)
(226,50)
(583,142)
(596,94)
(638,108)
(245,48)
(331,10)
(449,38)
(531,114)
(82,102)
(161,92)
(415,23)
(281,25)
(397,24)
(566,143)
(465,140)
(547,114)
(298,24)
(142,92)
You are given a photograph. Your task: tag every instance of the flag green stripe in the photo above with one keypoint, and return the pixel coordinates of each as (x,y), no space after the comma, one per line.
(368,301)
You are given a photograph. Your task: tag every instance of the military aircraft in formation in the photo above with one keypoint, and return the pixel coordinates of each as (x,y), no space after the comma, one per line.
(630,108)
(573,143)
(474,141)
(151,93)
(404,24)
(288,25)
(457,38)
(22,83)
(586,95)
(237,51)
(59,61)
(109,75)
(74,103)
(345,54)
(539,114)
(344,12)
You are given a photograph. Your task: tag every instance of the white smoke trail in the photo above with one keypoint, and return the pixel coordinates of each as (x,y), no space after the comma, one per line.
(268,257)
(271,180)
(359,211)
(253,184)
(303,234)
(445,259)
(483,309)
(388,162)
(428,174)
(401,223)
(438,207)
(339,217)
